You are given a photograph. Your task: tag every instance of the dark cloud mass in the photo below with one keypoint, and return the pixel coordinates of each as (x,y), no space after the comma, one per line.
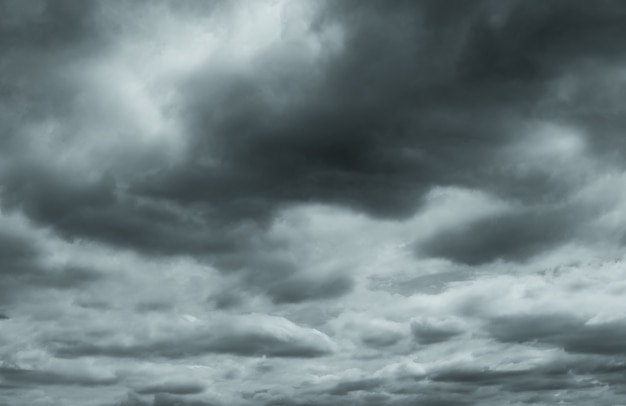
(511,236)
(428,332)
(261,336)
(312,202)
(569,333)
(173,388)
(33,377)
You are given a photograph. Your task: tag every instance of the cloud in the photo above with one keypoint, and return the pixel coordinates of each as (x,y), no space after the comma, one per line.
(31,377)
(312,203)
(166,399)
(420,124)
(534,381)
(306,122)
(380,336)
(566,331)
(297,289)
(25,266)
(175,388)
(427,331)
(252,335)
(511,236)
(346,387)
(45,23)
(361,126)
(95,210)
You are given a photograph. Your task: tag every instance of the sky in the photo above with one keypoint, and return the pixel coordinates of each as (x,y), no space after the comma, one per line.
(312,202)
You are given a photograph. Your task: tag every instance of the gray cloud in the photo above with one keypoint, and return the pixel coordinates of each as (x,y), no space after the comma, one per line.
(298,288)
(390,120)
(165,399)
(252,335)
(95,210)
(278,276)
(175,388)
(568,332)
(375,131)
(511,236)
(151,153)
(44,23)
(380,338)
(32,377)
(22,269)
(346,387)
(432,332)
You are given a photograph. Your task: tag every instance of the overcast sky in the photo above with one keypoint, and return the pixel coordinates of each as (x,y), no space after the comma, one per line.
(312,203)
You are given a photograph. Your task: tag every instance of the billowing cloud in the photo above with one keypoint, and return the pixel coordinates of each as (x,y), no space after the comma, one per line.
(565,331)
(245,335)
(176,388)
(433,331)
(18,376)
(312,202)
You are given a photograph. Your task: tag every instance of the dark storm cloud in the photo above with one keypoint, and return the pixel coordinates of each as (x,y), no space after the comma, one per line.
(271,272)
(95,210)
(383,118)
(367,398)
(463,385)
(43,24)
(418,105)
(477,377)
(532,380)
(576,373)
(392,100)
(165,399)
(549,384)
(175,388)
(353,140)
(429,284)
(516,380)
(459,384)
(568,332)
(32,377)
(427,332)
(16,253)
(346,387)
(299,288)
(381,338)
(155,306)
(396,112)
(246,336)
(512,236)
(43,40)
(37,39)
(22,268)
(226,299)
